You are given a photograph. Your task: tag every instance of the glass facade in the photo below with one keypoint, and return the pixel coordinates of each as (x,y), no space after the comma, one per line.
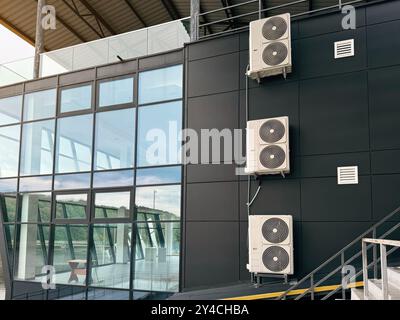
(86,189)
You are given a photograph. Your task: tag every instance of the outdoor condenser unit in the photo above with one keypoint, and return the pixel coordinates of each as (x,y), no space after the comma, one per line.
(270,47)
(271,244)
(268,146)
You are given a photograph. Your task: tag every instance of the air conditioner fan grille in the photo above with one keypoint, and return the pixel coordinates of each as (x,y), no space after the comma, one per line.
(272,131)
(275,230)
(272,157)
(275,259)
(275,53)
(274,28)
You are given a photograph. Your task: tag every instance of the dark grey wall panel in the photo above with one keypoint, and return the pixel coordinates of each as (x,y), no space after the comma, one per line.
(384,95)
(43,84)
(383,12)
(218,111)
(385,192)
(213,75)
(211,172)
(117,69)
(383,49)
(214,47)
(320,240)
(326,165)
(212,253)
(334,114)
(212,201)
(327,23)
(10,91)
(161,60)
(387,161)
(322,199)
(244,274)
(77,77)
(316,54)
(279,197)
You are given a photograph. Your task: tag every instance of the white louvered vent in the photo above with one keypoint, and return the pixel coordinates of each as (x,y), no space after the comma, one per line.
(344,48)
(347,175)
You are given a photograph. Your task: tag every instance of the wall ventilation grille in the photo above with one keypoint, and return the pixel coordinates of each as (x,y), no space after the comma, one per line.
(344,48)
(347,175)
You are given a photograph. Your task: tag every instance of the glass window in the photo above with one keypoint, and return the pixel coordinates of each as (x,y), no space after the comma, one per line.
(40,105)
(158,137)
(9,151)
(116,92)
(35,207)
(37,148)
(9,233)
(10,110)
(157,256)
(71,206)
(115,139)
(35,184)
(8,205)
(74,144)
(8,185)
(112,205)
(161,85)
(70,254)
(110,258)
(32,252)
(152,176)
(77,98)
(158,203)
(110,179)
(72,181)
(100,294)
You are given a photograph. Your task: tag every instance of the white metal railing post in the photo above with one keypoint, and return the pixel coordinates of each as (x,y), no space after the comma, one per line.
(385,290)
(365,269)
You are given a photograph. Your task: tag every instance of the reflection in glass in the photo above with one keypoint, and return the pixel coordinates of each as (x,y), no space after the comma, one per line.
(32,252)
(157,257)
(72,181)
(115,137)
(158,203)
(37,148)
(8,185)
(8,205)
(10,110)
(70,254)
(74,144)
(9,151)
(40,105)
(9,232)
(152,176)
(35,207)
(71,206)
(116,92)
(110,257)
(77,98)
(35,184)
(112,205)
(107,294)
(158,137)
(113,179)
(161,85)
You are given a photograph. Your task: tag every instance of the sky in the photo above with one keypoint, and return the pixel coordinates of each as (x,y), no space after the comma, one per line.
(12,47)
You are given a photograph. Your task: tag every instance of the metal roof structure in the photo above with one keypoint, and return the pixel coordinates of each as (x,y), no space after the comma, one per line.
(81,21)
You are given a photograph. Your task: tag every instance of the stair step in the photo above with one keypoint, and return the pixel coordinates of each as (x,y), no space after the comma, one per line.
(375,290)
(357,294)
(394,276)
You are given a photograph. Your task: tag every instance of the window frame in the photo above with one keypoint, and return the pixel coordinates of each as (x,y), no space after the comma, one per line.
(61,114)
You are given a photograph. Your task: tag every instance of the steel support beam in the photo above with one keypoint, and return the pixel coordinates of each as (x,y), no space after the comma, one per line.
(171,9)
(137,15)
(39,39)
(194,19)
(228,13)
(17,31)
(98,17)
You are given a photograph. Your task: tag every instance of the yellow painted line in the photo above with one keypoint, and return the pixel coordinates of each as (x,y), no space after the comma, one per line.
(293,292)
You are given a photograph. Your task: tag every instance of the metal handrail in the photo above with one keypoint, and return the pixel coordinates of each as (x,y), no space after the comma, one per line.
(341,253)
(259,12)
(383,243)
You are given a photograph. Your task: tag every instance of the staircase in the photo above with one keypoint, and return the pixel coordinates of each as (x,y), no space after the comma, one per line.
(354,257)
(388,286)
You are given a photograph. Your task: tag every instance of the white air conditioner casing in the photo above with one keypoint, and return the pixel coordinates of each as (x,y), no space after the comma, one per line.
(270,47)
(271,244)
(267,146)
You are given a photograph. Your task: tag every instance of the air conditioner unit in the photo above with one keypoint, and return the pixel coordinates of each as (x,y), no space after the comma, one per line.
(271,244)
(270,47)
(268,146)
